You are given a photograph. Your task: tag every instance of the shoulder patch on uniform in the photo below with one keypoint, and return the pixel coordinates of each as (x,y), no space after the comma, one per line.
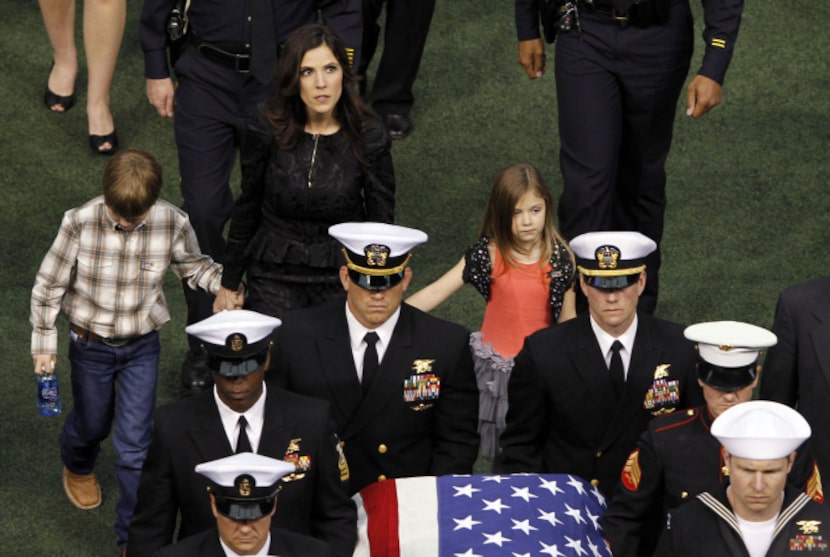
(632,473)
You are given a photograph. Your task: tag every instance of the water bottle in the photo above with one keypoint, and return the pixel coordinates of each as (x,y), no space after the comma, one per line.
(48,397)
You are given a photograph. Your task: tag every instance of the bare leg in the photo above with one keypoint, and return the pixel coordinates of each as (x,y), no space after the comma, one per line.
(59,19)
(104,22)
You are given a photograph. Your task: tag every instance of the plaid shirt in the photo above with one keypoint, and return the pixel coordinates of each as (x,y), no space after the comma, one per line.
(109,280)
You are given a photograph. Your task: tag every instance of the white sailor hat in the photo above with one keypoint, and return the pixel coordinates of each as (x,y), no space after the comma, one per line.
(760,430)
(236,341)
(611,259)
(728,352)
(245,484)
(376,253)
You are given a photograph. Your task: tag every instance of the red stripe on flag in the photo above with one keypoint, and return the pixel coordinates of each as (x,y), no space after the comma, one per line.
(381,503)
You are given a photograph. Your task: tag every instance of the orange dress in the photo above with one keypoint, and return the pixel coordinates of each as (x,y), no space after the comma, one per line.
(517,306)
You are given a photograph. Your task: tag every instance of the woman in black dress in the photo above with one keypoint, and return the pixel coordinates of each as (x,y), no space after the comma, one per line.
(315,156)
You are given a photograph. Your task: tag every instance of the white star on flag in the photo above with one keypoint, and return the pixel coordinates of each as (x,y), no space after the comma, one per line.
(494,505)
(550,550)
(496,538)
(593,517)
(467,490)
(523,525)
(523,493)
(594,549)
(551,486)
(577,484)
(466,523)
(576,545)
(468,553)
(600,497)
(550,517)
(576,514)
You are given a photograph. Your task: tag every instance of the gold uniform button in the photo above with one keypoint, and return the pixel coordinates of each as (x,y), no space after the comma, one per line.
(595,482)
(684,494)
(381,478)
(598,454)
(690,412)
(382,448)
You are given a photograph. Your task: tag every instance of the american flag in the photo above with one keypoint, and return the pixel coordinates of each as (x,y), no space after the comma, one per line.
(517,515)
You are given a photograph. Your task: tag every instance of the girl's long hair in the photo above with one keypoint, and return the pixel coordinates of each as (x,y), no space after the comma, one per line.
(509,186)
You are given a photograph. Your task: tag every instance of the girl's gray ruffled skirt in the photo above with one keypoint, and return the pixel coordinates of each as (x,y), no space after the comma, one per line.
(492,374)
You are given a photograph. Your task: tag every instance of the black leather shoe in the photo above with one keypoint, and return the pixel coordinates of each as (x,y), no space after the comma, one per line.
(399,126)
(196,375)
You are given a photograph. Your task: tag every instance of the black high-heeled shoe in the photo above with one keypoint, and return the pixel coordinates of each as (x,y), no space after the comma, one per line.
(51,99)
(97,141)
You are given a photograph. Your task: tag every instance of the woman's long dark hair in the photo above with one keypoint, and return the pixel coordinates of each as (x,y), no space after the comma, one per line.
(286,111)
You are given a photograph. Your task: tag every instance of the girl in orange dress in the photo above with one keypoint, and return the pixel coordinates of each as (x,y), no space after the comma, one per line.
(523,268)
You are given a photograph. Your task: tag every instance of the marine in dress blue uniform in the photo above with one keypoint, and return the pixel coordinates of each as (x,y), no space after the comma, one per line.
(216,89)
(619,70)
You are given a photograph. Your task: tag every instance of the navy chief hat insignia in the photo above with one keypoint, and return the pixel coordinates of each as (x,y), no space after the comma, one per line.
(236,342)
(376,255)
(244,483)
(607,257)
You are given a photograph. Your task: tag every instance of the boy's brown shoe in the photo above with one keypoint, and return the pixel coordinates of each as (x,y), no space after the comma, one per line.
(82,489)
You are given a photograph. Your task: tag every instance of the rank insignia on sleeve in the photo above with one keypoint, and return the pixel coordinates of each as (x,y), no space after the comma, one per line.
(814,488)
(421,390)
(719,43)
(632,473)
(342,463)
(664,395)
(810,539)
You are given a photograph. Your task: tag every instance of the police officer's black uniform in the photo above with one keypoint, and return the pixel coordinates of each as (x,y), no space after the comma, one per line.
(618,78)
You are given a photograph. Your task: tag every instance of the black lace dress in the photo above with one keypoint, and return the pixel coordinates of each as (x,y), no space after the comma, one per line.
(279,227)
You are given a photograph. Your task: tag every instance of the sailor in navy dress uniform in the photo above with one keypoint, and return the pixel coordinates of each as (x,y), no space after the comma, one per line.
(243,497)
(407,405)
(677,457)
(758,514)
(583,391)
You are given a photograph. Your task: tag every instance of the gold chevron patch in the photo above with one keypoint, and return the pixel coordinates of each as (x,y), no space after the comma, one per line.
(632,473)
(720,43)
(814,489)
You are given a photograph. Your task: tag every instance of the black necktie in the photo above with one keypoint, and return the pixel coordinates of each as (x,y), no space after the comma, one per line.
(243,445)
(370,361)
(263,44)
(616,368)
